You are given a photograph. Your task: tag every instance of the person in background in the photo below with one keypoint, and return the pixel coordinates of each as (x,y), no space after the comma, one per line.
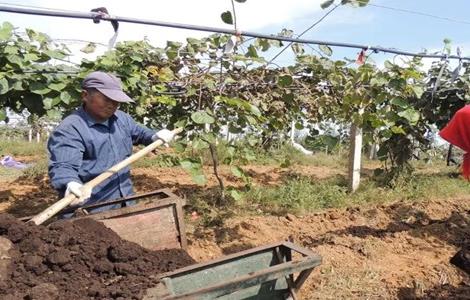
(92,139)
(457,132)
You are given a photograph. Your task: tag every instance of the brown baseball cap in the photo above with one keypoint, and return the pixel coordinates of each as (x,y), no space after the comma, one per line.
(108,84)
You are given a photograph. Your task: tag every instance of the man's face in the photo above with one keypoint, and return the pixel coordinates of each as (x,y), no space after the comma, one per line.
(98,105)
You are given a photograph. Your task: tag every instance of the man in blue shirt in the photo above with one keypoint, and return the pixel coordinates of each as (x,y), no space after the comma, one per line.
(94,138)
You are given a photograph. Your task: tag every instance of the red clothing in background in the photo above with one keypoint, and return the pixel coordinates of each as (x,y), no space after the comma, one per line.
(457,132)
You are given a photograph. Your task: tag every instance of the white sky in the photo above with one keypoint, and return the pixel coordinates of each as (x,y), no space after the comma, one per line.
(251,15)
(368,26)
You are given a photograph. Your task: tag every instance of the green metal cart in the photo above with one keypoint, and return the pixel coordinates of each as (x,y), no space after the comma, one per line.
(266,272)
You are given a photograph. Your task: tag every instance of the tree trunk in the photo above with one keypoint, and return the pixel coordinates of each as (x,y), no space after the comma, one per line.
(215,164)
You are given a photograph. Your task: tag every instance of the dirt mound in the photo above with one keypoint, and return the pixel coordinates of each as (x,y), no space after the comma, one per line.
(79,260)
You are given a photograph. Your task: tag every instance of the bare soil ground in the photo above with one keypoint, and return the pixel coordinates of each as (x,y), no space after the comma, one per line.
(393,251)
(22,196)
(398,251)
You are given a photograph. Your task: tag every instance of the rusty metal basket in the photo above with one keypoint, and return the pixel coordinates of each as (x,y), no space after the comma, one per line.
(155,222)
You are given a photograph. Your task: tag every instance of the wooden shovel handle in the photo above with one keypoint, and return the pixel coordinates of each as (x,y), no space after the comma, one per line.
(64,202)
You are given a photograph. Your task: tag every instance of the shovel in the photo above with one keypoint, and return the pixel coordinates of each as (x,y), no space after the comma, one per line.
(64,202)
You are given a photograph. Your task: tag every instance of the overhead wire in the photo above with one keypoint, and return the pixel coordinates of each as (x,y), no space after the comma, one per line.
(73,14)
(303,32)
(91,16)
(415,12)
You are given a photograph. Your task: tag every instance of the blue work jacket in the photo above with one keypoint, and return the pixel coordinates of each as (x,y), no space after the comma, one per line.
(81,149)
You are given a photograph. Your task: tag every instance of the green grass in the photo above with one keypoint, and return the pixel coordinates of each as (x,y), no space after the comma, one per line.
(297,194)
(284,155)
(303,195)
(39,169)
(22,148)
(8,174)
(321,159)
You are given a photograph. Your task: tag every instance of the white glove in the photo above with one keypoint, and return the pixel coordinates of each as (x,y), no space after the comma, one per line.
(76,189)
(165,135)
